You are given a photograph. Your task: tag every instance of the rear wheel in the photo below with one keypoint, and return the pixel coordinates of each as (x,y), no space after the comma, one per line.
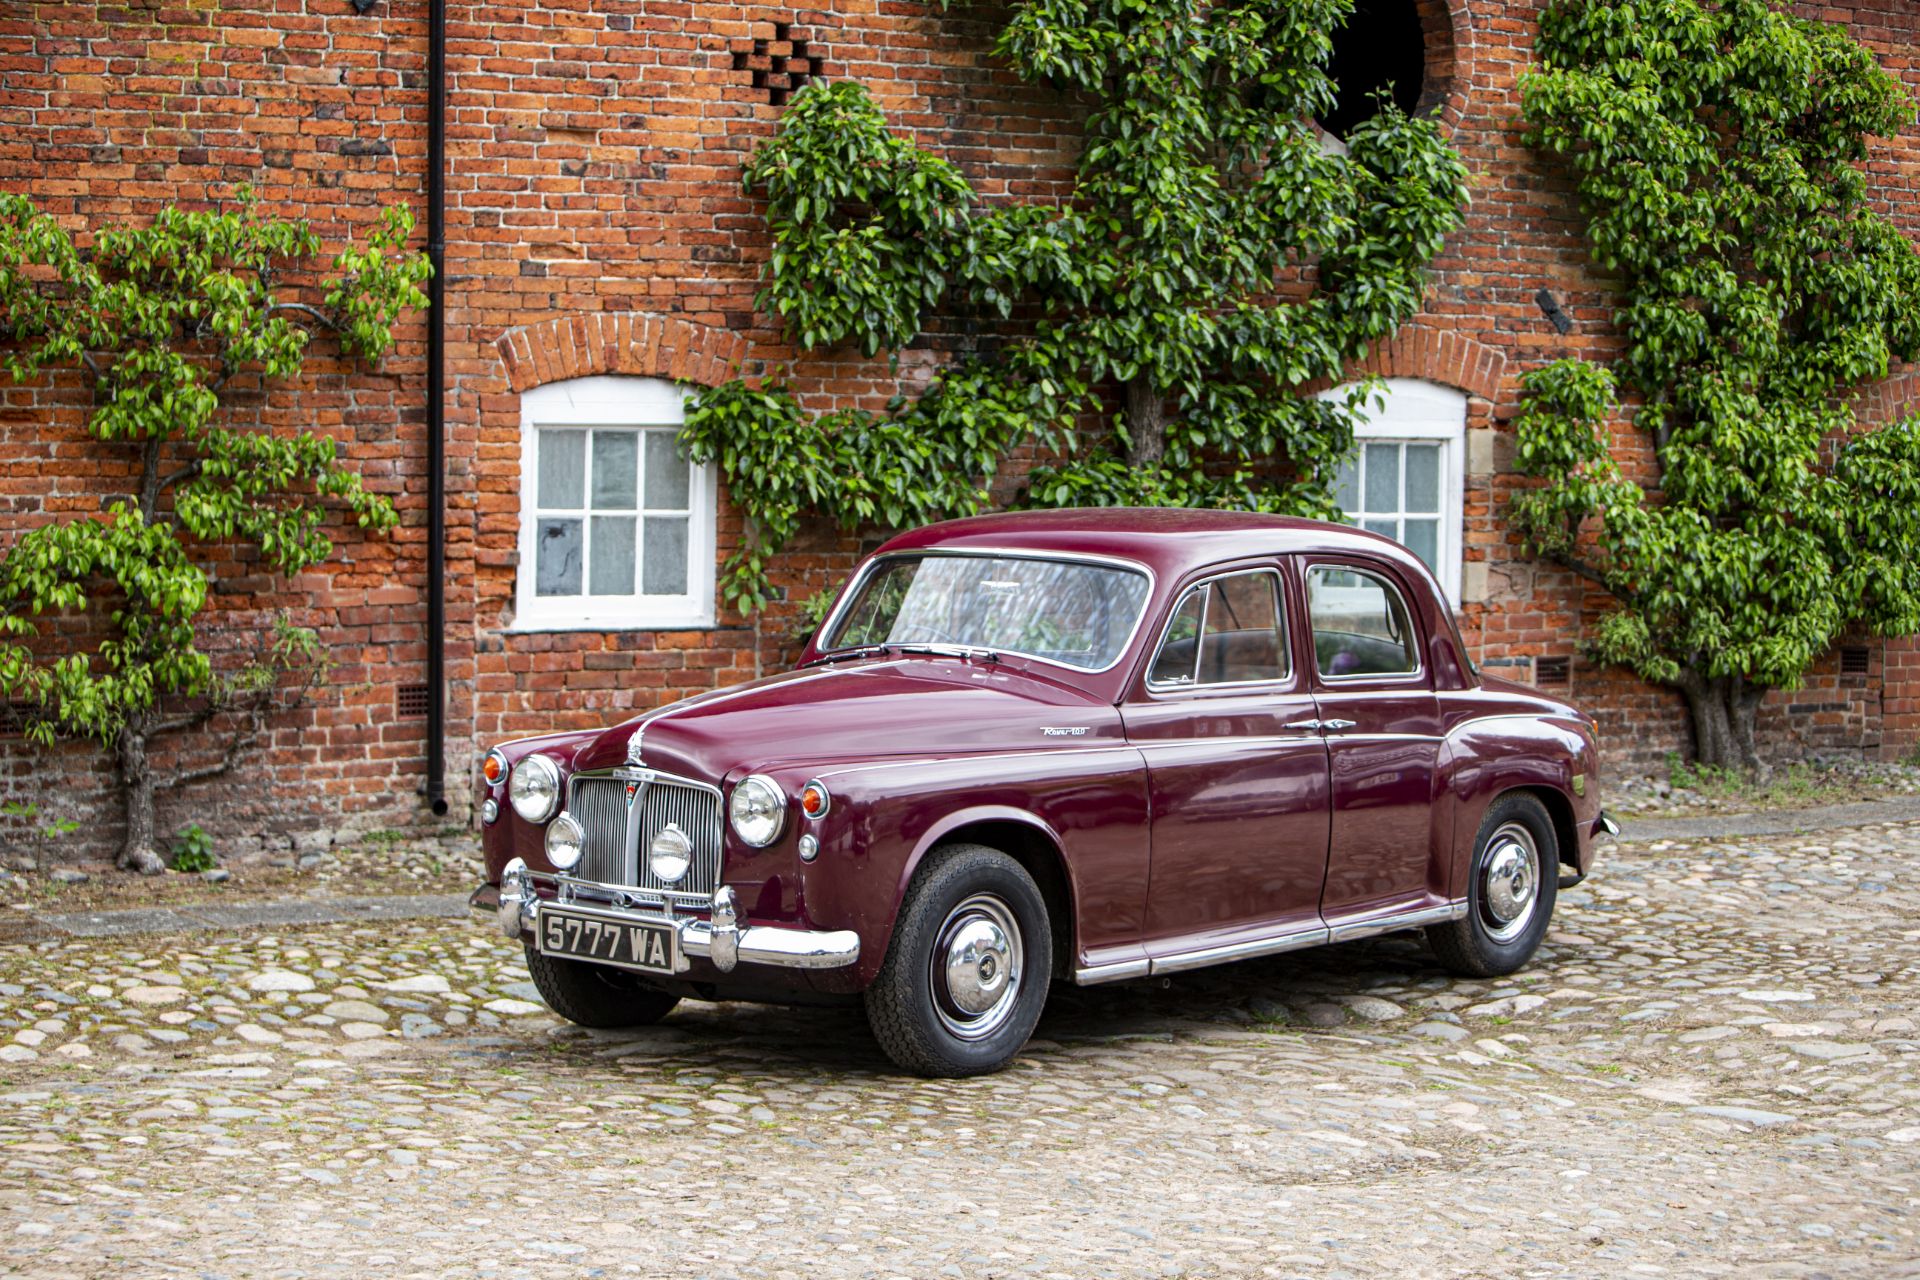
(966,973)
(1510,893)
(593,995)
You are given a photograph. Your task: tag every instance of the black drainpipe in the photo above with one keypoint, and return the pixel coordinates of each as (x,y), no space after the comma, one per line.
(436,783)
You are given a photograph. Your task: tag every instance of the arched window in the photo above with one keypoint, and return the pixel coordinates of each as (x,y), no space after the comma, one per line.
(616,526)
(1401,47)
(1404,477)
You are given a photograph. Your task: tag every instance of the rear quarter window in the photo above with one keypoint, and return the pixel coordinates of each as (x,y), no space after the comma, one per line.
(1361,624)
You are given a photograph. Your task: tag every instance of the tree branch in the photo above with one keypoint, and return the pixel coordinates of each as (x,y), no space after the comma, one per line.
(181,476)
(150,478)
(241,740)
(192,720)
(318,316)
(1575,565)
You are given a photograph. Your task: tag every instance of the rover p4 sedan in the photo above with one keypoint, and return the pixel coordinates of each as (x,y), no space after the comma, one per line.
(1062,746)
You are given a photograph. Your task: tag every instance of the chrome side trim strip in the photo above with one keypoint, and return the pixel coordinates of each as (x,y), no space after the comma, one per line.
(1119,971)
(1417,918)
(1273,944)
(1295,940)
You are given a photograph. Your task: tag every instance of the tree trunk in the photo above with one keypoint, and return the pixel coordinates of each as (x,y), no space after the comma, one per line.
(138,853)
(1724,710)
(1146,423)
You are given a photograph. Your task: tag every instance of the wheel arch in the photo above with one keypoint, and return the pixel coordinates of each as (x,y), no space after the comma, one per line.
(1560,812)
(1030,842)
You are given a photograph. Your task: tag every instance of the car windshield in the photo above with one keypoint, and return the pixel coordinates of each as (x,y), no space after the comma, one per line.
(1065,611)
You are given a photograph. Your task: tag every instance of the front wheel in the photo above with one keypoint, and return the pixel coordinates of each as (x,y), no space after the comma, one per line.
(967,971)
(593,995)
(1510,894)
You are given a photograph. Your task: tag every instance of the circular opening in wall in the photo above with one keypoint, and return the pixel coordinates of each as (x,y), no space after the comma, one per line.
(1403,48)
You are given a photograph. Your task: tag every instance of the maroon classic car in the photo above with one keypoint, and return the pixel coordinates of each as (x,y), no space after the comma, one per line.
(1063,745)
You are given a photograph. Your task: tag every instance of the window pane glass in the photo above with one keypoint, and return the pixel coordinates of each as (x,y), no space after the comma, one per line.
(557,558)
(664,567)
(1346,485)
(562,465)
(667,473)
(1389,528)
(1423,478)
(1360,624)
(616,481)
(1423,539)
(611,573)
(1174,663)
(1243,637)
(1383,477)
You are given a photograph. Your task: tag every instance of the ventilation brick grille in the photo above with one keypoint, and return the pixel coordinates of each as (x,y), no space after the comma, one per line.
(1855,659)
(411,701)
(778,67)
(1553,671)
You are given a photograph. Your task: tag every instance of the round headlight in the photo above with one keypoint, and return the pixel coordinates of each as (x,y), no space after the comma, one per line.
(758,810)
(535,788)
(566,841)
(670,854)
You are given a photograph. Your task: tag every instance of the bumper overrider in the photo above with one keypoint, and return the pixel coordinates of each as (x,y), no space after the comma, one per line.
(719,939)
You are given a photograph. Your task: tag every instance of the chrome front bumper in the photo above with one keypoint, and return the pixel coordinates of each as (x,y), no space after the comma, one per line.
(719,939)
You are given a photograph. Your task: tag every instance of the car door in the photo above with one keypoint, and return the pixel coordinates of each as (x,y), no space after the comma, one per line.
(1381,720)
(1236,774)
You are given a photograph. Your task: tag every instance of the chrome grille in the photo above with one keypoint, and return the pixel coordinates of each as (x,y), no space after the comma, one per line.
(616,854)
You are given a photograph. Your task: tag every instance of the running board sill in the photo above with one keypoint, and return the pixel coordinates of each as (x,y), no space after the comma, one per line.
(1276,944)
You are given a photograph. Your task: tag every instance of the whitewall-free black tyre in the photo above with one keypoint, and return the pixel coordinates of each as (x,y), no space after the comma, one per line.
(1511,888)
(967,969)
(594,995)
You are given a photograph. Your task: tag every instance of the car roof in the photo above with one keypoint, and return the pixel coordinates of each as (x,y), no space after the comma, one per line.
(1171,541)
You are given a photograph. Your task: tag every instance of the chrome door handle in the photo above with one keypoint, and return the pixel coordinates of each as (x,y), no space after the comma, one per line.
(1337,726)
(1305,726)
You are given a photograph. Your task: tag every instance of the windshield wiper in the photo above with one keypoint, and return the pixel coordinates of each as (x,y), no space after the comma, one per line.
(950,651)
(848,655)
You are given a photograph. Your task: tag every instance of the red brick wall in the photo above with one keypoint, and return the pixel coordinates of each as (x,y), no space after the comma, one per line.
(596,224)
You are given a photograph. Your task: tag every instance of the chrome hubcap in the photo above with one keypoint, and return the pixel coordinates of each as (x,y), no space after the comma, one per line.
(976,966)
(1509,882)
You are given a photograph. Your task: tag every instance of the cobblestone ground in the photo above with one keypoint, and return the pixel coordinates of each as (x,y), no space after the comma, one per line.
(1712,1070)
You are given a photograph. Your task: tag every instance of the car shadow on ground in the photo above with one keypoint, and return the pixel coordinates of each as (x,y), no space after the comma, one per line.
(1306,990)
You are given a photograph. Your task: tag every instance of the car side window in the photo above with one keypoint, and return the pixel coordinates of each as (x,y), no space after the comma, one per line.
(1227,631)
(1361,624)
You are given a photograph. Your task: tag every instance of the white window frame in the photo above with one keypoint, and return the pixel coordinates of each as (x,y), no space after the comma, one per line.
(1408,410)
(612,402)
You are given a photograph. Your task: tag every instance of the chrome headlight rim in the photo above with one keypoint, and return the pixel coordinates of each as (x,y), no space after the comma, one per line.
(566,842)
(533,788)
(757,810)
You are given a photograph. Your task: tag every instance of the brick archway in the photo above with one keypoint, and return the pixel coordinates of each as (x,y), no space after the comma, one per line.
(1450,359)
(620,342)
(1888,400)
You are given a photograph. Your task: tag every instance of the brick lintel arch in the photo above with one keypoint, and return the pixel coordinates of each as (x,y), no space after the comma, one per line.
(1889,400)
(1438,355)
(620,342)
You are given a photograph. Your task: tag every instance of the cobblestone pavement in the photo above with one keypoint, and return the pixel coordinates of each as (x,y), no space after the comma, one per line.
(1712,1070)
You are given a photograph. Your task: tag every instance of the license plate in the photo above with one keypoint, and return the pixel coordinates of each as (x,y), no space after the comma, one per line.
(629,944)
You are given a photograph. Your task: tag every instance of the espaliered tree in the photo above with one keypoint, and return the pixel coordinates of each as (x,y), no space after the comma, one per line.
(1216,256)
(102,615)
(1719,152)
